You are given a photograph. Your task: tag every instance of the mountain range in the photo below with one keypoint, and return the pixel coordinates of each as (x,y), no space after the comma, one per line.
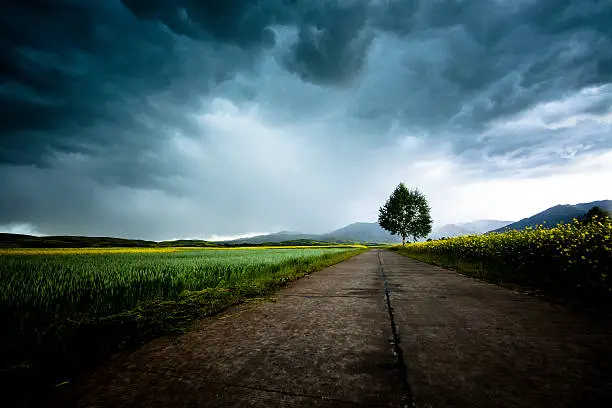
(466,228)
(554,215)
(362,232)
(371,232)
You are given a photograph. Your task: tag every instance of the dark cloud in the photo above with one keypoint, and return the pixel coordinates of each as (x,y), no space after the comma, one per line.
(330,49)
(82,68)
(469,62)
(552,47)
(94,76)
(332,43)
(94,79)
(242,22)
(105,89)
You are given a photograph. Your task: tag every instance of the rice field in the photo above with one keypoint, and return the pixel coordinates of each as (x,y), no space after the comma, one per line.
(104,281)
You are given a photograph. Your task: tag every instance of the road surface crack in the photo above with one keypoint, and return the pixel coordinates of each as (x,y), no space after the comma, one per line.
(407,396)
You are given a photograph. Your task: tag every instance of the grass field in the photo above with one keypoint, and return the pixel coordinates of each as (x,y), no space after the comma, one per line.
(571,262)
(63,306)
(101,282)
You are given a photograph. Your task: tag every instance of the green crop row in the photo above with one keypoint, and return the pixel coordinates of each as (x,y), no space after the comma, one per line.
(105,283)
(571,261)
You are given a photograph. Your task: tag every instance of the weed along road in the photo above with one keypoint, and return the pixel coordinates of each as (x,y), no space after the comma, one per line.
(376,330)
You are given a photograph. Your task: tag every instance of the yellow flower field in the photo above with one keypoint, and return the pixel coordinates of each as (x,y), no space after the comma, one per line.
(150,250)
(571,260)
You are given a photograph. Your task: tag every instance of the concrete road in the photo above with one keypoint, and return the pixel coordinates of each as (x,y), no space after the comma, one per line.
(467,343)
(378,330)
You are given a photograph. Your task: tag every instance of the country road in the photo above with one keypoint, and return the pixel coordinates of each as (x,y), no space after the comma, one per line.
(378,330)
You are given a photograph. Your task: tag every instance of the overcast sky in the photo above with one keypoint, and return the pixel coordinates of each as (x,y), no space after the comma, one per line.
(162,119)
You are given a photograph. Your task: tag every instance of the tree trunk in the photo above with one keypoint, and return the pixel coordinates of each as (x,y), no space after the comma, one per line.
(403,241)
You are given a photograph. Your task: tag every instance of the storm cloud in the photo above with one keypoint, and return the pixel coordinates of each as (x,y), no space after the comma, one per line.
(160,118)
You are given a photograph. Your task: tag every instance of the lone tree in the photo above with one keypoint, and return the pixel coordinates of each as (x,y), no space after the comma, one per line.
(406,213)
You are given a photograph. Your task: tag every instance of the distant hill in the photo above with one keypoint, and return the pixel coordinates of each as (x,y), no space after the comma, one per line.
(292,242)
(361,232)
(466,228)
(275,237)
(482,226)
(554,215)
(364,232)
(186,243)
(30,241)
(448,230)
(369,232)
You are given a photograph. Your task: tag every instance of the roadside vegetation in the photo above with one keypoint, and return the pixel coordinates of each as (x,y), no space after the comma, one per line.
(571,262)
(65,309)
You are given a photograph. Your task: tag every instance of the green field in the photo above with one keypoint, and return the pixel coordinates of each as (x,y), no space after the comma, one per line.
(60,307)
(108,282)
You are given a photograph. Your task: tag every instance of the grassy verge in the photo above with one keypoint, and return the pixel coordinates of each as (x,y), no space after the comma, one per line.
(467,268)
(60,348)
(570,264)
(599,305)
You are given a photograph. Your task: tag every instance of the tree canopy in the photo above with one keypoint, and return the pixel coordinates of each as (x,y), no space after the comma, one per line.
(406,213)
(595,213)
